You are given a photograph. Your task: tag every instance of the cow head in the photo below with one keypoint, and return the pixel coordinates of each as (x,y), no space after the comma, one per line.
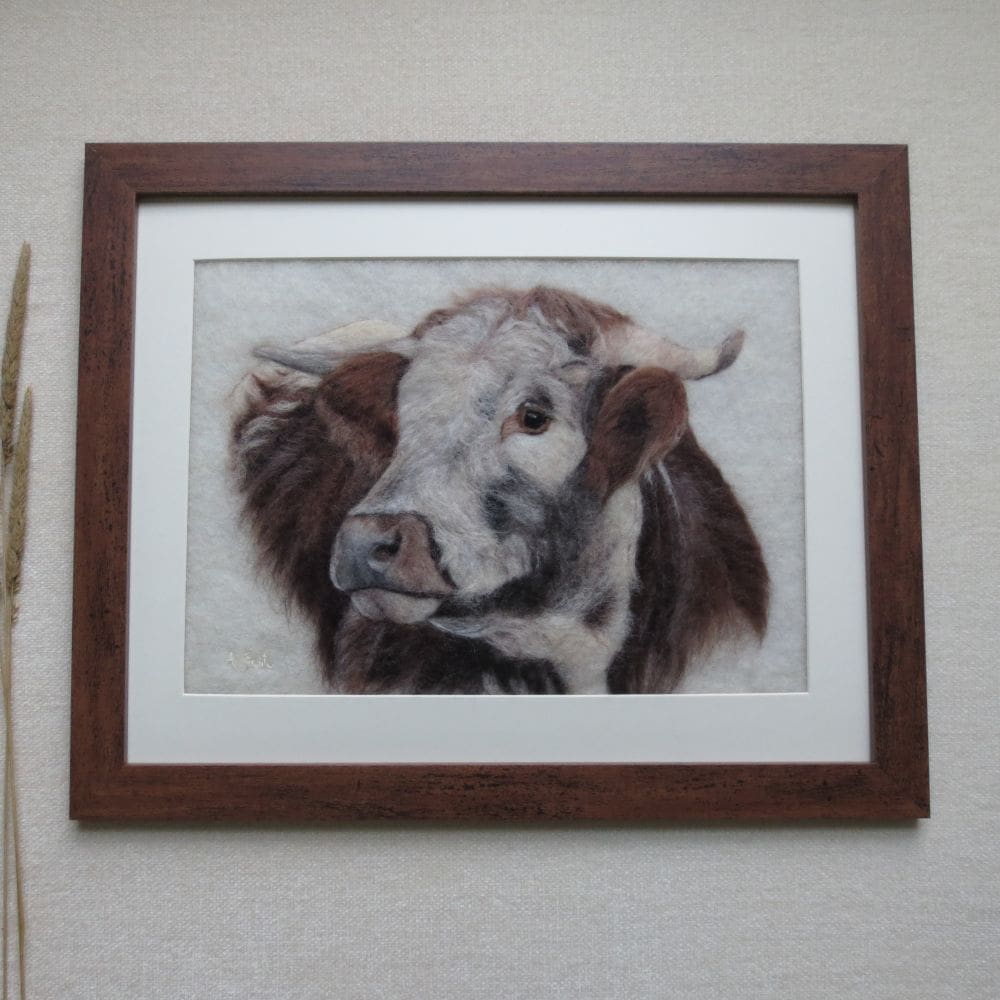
(515,420)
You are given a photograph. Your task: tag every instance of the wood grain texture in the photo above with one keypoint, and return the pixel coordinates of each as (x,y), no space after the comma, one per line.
(105,787)
(493,169)
(102,478)
(892,480)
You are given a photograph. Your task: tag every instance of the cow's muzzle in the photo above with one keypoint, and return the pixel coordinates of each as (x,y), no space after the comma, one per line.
(388,563)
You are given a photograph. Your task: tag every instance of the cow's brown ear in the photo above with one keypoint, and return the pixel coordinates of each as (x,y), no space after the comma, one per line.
(361,395)
(642,417)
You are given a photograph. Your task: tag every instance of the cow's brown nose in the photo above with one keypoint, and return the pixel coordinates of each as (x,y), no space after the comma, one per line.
(387,552)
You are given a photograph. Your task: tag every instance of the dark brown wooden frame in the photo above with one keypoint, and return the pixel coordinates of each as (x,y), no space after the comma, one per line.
(104,786)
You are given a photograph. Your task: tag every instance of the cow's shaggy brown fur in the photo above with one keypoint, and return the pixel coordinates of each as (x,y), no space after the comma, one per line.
(581,321)
(700,571)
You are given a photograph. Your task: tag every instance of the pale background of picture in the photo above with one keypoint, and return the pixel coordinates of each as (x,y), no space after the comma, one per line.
(240,634)
(694,911)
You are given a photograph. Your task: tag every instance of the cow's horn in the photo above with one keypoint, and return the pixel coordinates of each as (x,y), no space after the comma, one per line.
(321,354)
(632,345)
(309,362)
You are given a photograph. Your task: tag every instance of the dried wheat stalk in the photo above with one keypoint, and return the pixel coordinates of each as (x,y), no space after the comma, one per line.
(14,464)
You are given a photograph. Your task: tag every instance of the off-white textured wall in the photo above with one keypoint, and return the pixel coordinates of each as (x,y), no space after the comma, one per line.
(906,911)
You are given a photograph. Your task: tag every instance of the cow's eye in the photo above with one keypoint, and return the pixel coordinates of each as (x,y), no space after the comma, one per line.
(532,420)
(528,418)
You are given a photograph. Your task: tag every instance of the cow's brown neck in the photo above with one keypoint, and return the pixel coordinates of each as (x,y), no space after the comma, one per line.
(700,572)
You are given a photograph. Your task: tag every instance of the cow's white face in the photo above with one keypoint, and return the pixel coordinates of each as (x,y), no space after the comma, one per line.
(491,437)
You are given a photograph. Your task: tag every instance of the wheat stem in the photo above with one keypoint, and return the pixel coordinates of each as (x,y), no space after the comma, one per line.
(10,812)
(9,858)
(5,933)
(14,462)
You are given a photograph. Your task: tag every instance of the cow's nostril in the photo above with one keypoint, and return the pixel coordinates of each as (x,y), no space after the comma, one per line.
(385,552)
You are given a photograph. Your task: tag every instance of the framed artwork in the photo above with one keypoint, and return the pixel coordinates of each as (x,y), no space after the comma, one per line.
(482,482)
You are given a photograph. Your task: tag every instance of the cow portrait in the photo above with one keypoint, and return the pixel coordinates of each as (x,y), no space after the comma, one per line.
(509,498)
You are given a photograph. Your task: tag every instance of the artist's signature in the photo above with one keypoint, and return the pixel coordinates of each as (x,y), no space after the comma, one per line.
(250,662)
